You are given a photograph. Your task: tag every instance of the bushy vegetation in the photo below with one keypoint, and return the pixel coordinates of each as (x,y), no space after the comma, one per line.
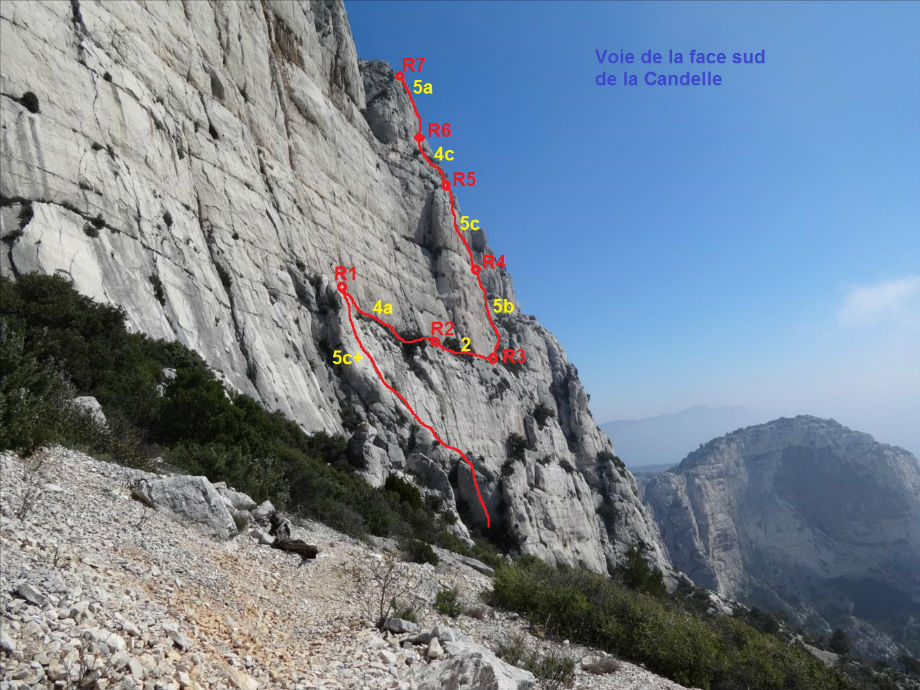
(839,642)
(541,413)
(605,457)
(717,652)
(555,669)
(56,344)
(910,664)
(447,601)
(516,445)
(636,574)
(418,551)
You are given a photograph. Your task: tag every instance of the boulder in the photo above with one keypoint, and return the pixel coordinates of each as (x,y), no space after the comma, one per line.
(167,375)
(530,430)
(32,595)
(263,514)
(241,518)
(471,666)
(399,626)
(448,633)
(7,646)
(260,536)
(478,566)
(432,475)
(89,404)
(373,459)
(189,499)
(422,637)
(241,680)
(600,665)
(236,499)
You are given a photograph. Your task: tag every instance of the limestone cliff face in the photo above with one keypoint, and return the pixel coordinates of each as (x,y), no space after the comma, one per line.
(205,165)
(802,514)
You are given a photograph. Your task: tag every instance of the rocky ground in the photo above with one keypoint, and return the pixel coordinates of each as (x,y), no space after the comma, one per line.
(96,586)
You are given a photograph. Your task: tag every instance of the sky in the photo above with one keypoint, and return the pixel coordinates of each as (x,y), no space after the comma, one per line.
(755,243)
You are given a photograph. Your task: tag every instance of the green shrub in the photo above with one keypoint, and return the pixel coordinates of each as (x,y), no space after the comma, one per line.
(404,492)
(556,670)
(541,413)
(484,551)
(404,611)
(417,551)
(516,445)
(605,457)
(759,619)
(608,513)
(32,396)
(719,653)
(839,642)
(636,574)
(447,601)
(910,664)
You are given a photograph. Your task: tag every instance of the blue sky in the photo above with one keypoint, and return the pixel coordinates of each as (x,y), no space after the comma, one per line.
(754,244)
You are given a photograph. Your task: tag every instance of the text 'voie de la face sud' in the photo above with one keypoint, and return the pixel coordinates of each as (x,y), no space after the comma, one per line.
(671,67)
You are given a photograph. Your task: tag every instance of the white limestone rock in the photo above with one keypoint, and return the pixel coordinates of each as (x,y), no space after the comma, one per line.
(210,199)
(91,406)
(470,666)
(235,499)
(189,499)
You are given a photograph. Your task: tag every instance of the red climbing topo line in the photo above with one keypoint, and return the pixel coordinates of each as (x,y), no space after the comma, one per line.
(445,185)
(431,340)
(349,302)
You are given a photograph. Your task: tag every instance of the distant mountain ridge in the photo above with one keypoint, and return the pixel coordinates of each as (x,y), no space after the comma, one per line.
(803,515)
(665,439)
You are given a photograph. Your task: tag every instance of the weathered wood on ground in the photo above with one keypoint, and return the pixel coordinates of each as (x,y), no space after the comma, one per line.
(298,546)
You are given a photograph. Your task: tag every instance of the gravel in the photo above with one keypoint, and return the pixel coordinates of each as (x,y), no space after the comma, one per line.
(96,586)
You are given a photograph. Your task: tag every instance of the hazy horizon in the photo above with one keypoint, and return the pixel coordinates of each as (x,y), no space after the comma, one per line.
(744,417)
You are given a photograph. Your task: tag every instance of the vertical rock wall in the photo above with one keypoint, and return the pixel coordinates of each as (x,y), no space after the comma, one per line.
(206,164)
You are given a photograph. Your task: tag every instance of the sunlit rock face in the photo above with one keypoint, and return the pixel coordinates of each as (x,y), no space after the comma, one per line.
(206,165)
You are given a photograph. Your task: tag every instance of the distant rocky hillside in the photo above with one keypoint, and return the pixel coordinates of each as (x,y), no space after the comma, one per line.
(665,439)
(803,515)
(205,165)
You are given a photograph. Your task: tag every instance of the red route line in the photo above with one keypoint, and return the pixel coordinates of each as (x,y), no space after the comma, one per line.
(350,302)
(445,185)
(431,340)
